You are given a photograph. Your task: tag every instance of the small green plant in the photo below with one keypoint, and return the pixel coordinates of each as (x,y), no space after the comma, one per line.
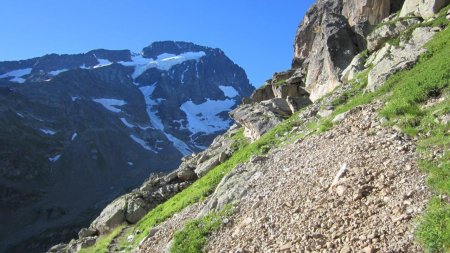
(194,236)
(102,244)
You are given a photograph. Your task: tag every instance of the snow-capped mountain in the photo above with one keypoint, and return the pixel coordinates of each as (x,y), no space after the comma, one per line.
(77,130)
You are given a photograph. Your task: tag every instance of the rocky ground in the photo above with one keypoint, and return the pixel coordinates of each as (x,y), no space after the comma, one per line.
(161,235)
(355,188)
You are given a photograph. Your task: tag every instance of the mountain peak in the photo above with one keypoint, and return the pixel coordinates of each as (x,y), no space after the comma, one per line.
(171,47)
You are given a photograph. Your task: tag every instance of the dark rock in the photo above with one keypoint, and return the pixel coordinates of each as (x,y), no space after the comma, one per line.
(87,232)
(263,93)
(288,90)
(186,174)
(297,103)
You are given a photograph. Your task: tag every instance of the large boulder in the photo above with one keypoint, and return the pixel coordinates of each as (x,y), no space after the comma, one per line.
(297,103)
(422,8)
(136,209)
(112,216)
(400,58)
(278,106)
(285,90)
(206,166)
(263,93)
(356,66)
(233,187)
(388,31)
(256,118)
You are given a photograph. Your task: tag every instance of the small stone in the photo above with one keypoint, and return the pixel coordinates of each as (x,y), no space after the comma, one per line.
(340,190)
(130,238)
(223,157)
(286,247)
(368,249)
(345,249)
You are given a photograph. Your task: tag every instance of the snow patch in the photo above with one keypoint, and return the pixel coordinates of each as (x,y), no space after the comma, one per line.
(17,75)
(130,163)
(204,117)
(182,74)
(47,131)
(20,114)
(110,103)
(57,72)
(102,63)
(163,62)
(126,123)
(229,91)
(142,143)
(74,136)
(54,159)
(147,91)
(74,98)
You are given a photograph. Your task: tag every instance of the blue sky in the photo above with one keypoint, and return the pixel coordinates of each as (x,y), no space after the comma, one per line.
(256,34)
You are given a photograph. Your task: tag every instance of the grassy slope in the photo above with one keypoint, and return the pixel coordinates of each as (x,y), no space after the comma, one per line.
(408,90)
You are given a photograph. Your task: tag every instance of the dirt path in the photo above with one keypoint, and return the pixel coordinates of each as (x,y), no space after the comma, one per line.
(294,206)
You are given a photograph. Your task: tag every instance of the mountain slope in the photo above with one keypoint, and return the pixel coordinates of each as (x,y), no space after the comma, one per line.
(78,130)
(345,173)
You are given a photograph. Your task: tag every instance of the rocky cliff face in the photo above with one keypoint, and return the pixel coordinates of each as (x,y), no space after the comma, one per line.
(331,34)
(78,130)
(334,32)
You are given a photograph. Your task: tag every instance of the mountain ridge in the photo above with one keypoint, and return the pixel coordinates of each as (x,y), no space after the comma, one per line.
(68,120)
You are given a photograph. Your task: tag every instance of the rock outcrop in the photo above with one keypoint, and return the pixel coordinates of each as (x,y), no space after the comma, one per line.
(386,32)
(332,33)
(277,99)
(425,9)
(370,11)
(399,58)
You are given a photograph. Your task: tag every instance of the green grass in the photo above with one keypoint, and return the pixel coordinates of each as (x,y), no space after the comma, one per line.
(101,246)
(194,236)
(434,230)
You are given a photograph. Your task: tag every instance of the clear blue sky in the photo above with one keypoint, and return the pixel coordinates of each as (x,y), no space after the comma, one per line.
(256,34)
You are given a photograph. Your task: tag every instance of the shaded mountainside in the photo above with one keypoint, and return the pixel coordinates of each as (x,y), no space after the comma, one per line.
(78,130)
(328,156)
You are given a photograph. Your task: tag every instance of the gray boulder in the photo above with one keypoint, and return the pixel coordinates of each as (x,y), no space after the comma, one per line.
(422,8)
(399,58)
(278,106)
(136,209)
(86,242)
(256,119)
(379,55)
(112,216)
(87,232)
(205,167)
(356,66)
(297,103)
(232,187)
(288,89)
(384,33)
(263,93)
(223,157)
(186,174)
